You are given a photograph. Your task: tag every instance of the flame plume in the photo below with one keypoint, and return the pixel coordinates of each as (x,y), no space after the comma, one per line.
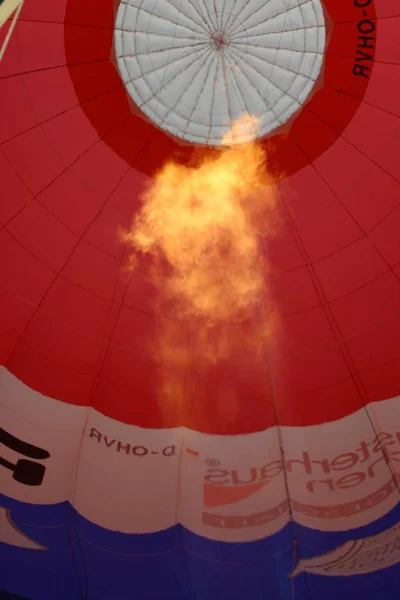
(202,228)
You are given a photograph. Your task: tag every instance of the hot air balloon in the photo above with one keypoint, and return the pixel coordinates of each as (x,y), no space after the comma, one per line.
(145,453)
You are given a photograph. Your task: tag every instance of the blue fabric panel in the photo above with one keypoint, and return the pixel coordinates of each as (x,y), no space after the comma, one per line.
(84,561)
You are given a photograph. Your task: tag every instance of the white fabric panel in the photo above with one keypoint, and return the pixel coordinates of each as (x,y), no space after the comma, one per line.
(356,557)
(47,424)
(10,534)
(195,68)
(134,471)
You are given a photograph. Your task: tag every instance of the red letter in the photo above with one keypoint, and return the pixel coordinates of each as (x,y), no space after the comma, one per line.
(139,450)
(350,480)
(310,484)
(95,434)
(366,26)
(276,467)
(361,70)
(108,443)
(382,439)
(365,43)
(370,469)
(364,450)
(253,477)
(126,447)
(306,462)
(214,476)
(344,461)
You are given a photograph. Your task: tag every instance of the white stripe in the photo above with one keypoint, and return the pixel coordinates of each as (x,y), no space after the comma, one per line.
(127,477)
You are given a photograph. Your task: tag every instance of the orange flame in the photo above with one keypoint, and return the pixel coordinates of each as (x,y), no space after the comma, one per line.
(202,226)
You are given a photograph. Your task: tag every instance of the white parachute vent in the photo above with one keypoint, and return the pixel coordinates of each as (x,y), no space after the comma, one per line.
(196,66)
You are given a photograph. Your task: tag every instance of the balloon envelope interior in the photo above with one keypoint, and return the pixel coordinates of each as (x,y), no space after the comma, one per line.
(199,321)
